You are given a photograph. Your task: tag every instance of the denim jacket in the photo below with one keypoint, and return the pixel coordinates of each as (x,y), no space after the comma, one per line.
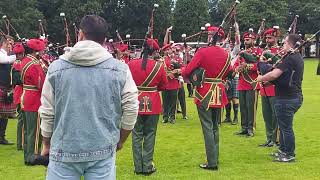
(84,106)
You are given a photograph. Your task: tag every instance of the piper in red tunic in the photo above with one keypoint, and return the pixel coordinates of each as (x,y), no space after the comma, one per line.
(150,78)
(210,96)
(18,50)
(170,95)
(246,65)
(124,54)
(267,90)
(32,76)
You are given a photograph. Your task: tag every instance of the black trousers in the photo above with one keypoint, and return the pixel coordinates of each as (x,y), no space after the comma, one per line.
(190,89)
(3,127)
(182,101)
(169,103)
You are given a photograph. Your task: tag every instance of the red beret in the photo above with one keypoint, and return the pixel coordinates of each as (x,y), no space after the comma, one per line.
(123,47)
(153,43)
(166,47)
(249,35)
(36,44)
(215,29)
(273,32)
(18,48)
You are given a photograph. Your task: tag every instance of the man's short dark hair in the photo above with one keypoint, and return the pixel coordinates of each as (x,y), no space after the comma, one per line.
(94,28)
(293,39)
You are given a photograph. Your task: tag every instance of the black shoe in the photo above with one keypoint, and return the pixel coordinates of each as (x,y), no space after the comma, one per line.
(185,117)
(138,173)
(227,120)
(153,170)
(250,134)
(271,144)
(3,141)
(172,121)
(235,121)
(242,132)
(165,121)
(206,167)
(178,111)
(277,153)
(284,158)
(265,144)
(42,160)
(39,160)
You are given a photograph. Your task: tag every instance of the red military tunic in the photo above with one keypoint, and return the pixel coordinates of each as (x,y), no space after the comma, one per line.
(269,90)
(173,83)
(32,76)
(125,59)
(17,92)
(244,83)
(213,59)
(149,98)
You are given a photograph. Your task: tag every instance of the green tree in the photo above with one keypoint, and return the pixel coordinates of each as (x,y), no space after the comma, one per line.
(309,15)
(23,15)
(250,13)
(189,17)
(135,16)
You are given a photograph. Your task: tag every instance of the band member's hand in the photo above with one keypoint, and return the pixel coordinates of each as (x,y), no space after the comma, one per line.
(259,78)
(169,29)
(45,150)
(119,146)
(176,71)
(171,75)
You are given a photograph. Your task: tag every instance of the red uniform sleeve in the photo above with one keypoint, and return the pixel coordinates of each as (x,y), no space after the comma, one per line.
(194,64)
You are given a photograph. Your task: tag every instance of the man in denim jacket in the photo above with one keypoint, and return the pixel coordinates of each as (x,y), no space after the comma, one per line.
(89,107)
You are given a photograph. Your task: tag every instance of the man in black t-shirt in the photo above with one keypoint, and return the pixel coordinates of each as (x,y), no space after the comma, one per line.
(287,77)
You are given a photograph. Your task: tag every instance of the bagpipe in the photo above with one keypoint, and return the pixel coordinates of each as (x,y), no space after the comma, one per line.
(9,27)
(285,78)
(248,57)
(66,29)
(197,76)
(230,15)
(293,27)
(259,42)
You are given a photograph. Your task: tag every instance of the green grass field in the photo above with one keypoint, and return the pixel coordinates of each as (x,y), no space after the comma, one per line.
(180,148)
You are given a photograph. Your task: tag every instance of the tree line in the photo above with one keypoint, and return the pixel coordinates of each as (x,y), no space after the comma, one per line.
(132,16)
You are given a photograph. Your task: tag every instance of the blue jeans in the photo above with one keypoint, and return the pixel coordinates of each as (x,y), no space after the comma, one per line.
(94,170)
(284,111)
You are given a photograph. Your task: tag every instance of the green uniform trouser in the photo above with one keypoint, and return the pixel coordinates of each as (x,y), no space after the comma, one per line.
(248,107)
(169,103)
(143,141)
(269,117)
(20,131)
(182,101)
(210,129)
(33,139)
